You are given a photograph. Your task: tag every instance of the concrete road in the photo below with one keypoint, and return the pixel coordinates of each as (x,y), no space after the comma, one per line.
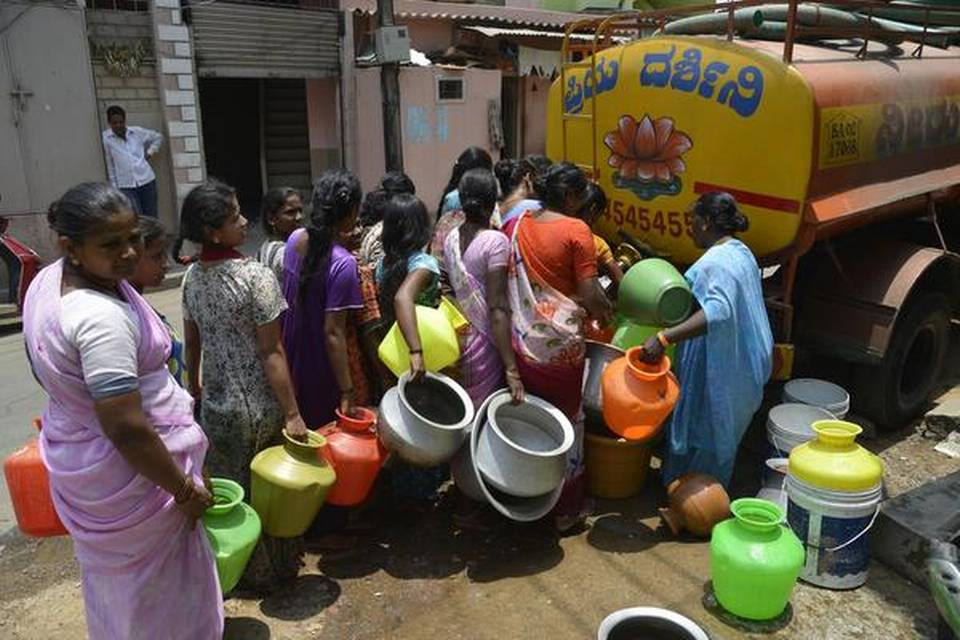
(21,398)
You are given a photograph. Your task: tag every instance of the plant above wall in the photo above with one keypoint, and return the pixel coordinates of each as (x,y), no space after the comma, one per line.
(122,60)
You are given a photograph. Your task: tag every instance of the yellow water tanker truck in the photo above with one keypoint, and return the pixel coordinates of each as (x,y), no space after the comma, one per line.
(844,155)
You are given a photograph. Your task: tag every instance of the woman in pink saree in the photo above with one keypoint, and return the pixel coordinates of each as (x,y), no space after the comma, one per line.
(475,258)
(552,286)
(119,441)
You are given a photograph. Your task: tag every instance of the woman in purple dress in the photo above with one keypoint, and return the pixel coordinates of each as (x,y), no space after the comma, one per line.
(322,286)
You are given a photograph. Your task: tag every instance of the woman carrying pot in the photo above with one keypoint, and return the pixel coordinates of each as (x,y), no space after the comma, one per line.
(123,452)
(552,279)
(231,319)
(725,348)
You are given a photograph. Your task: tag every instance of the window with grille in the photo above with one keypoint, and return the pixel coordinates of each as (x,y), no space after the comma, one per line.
(450,89)
(119,5)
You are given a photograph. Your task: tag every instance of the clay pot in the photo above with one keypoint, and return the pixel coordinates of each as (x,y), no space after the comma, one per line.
(696,503)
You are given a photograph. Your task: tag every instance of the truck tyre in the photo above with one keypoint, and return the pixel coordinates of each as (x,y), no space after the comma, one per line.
(898,389)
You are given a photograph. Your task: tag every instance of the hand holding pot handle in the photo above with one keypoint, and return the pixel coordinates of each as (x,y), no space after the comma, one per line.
(417,367)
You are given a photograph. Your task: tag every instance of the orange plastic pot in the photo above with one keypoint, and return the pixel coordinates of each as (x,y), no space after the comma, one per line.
(638,397)
(29,487)
(355,453)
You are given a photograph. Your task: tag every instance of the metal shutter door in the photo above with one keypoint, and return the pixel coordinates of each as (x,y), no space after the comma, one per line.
(251,41)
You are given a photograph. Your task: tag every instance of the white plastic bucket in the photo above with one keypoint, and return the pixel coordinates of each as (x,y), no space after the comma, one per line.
(818,393)
(834,527)
(790,425)
(774,483)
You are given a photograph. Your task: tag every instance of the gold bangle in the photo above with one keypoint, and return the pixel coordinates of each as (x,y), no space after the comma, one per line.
(662,339)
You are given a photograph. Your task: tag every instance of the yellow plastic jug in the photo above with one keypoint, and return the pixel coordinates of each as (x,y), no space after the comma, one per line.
(457,320)
(833,460)
(438,336)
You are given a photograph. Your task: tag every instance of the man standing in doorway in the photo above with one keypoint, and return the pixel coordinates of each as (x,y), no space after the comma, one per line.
(127,150)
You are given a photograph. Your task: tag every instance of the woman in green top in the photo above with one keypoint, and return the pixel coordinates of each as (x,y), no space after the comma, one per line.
(407,276)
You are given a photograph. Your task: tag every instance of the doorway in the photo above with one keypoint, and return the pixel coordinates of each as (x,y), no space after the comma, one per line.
(256,136)
(511,96)
(230,108)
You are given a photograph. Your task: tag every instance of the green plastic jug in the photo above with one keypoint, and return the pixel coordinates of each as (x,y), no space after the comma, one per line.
(654,293)
(289,483)
(755,560)
(438,337)
(631,334)
(233,528)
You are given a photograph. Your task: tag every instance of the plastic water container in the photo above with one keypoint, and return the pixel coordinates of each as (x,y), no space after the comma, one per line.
(653,292)
(834,488)
(835,526)
(790,425)
(775,483)
(818,393)
(438,338)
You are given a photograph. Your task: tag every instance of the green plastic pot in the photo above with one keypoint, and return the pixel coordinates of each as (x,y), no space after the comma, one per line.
(654,293)
(755,560)
(233,528)
(631,334)
(289,483)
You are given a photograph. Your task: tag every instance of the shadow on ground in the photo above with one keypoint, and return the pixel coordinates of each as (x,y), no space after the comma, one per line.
(430,545)
(245,629)
(307,596)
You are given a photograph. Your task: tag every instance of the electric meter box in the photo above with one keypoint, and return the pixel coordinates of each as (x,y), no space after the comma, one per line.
(393,44)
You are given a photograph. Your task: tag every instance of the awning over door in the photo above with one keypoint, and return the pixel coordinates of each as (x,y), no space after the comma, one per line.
(265,41)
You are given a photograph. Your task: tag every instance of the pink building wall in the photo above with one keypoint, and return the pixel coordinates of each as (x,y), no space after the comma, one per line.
(323,116)
(434,133)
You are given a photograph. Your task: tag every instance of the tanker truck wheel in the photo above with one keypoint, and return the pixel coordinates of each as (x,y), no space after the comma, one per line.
(898,389)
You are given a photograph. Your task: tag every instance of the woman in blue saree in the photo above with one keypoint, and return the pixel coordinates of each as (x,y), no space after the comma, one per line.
(725,348)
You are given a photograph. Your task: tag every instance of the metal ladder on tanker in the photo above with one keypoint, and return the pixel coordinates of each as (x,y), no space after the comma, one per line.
(568,65)
(600,36)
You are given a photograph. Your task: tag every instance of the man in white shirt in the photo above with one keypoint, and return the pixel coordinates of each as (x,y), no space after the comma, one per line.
(127,150)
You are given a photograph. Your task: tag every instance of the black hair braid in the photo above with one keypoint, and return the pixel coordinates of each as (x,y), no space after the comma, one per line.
(405,231)
(478,195)
(207,206)
(557,183)
(336,194)
(721,212)
(84,207)
(471,158)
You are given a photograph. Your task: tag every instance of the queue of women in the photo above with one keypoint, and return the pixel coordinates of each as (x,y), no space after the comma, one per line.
(136,421)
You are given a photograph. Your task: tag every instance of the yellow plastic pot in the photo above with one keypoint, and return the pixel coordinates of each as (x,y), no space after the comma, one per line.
(289,483)
(438,337)
(833,460)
